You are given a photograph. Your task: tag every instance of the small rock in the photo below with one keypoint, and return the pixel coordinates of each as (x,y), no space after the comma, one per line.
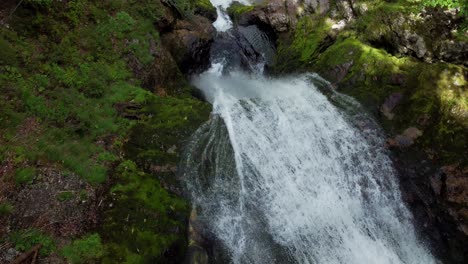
(10,254)
(436,183)
(397,79)
(405,139)
(172,150)
(390,103)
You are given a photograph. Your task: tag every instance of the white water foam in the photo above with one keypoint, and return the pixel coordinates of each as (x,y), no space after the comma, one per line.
(223,22)
(310,183)
(290,178)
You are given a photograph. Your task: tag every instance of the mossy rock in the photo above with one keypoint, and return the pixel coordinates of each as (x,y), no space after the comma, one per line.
(236,9)
(436,92)
(205,8)
(170,120)
(145,221)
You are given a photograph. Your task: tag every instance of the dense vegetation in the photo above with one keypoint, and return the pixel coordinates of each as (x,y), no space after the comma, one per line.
(435,94)
(70,98)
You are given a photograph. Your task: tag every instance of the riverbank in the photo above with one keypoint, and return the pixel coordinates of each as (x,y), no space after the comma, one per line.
(94,109)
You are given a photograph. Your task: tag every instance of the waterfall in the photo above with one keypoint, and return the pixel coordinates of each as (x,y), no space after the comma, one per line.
(284,174)
(223,23)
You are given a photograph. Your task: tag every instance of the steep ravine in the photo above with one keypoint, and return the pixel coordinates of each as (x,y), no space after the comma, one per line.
(96,109)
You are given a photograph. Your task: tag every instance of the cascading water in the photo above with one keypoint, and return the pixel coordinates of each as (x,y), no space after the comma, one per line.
(223,23)
(284,174)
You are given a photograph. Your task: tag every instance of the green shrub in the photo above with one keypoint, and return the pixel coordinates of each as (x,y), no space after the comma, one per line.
(25,176)
(83,250)
(24,240)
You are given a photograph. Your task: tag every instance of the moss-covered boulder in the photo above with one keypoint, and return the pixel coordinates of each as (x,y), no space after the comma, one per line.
(205,8)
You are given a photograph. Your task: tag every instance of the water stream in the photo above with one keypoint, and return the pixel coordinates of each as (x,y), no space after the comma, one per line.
(284,174)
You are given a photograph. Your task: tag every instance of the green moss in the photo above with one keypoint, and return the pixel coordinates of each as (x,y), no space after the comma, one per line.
(433,91)
(308,36)
(311,36)
(145,220)
(440,96)
(25,176)
(24,240)
(168,121)
(84,250)
(7,53)
(5,208)
(204,7)
(236,9)
(65,196)
(64,72)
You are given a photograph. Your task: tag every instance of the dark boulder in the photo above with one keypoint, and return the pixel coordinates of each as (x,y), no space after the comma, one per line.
(189,43)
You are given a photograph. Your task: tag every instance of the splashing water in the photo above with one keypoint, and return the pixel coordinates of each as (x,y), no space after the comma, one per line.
(223,23)
(284,174)
(294,180)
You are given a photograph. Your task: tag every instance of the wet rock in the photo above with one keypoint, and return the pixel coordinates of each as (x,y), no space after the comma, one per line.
(207,11)
(406,139)
(390,103)
(450,185)
(163,168)
(189,43)
(317,6)
(397,79)
(279,15)
(166,21)
(453,51)
(339,72)
(164,77)
(426,36)
(196,252)
(456,184)
(410,42)
(436,183)
(345,7)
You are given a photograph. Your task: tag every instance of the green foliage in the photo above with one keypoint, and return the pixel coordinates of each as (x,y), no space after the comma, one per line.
(5,208)
(443,3)
(83,250)
(24,240)
(25,176)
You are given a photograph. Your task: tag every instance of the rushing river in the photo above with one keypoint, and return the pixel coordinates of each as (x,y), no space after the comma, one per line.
(284,174)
